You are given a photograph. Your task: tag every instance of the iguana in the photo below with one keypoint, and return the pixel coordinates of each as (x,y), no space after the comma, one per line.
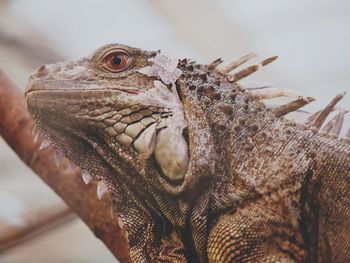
(198,168)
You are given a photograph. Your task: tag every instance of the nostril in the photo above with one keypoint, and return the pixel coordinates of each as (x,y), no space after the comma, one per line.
(42,71)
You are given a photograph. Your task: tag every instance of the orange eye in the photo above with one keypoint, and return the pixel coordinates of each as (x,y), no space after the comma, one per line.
(117,61)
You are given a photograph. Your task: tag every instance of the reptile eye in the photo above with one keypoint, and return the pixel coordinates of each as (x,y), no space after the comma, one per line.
(116,61)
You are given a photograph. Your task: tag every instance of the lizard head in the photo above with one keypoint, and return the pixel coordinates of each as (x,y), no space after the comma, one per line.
(123,112)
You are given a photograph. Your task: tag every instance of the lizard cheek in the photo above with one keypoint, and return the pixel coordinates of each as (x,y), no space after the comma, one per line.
(144,144)
(171,153)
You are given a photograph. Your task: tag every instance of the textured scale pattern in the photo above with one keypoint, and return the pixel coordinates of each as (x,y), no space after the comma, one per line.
(199,170)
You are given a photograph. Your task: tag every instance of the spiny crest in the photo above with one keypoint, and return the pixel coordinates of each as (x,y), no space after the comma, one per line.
(333,127)
(234,77)
(314,122)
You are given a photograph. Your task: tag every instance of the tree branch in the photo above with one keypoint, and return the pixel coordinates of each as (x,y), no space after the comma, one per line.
(15,127)
(37,224)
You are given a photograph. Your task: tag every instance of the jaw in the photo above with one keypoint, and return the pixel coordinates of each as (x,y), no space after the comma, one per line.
(54,102)
(82,143)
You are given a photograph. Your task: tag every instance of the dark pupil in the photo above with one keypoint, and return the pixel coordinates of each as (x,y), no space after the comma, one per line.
(117,60)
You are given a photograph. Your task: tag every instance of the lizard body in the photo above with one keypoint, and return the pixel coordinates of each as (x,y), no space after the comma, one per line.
(199,170)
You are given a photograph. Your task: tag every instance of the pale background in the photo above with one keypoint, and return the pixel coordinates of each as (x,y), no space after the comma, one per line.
(312,38)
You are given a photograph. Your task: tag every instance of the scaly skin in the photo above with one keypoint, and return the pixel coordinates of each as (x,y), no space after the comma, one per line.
(220,177)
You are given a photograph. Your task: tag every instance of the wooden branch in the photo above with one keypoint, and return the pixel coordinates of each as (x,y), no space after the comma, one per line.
(15,127)
(34,225)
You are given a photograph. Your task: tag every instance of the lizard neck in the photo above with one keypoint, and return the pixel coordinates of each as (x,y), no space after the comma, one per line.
(261,155)
(258,153)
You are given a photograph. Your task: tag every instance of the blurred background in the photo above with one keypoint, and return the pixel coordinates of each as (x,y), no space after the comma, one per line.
(311,37)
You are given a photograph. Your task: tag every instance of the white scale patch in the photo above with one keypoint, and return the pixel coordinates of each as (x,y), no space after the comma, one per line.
(170,149)
(164,68)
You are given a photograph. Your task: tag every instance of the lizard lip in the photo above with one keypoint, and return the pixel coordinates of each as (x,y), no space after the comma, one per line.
(32,86)
(35,84)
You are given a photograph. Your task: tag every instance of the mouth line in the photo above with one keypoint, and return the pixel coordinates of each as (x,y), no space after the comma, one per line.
(77,90)
(73,86)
